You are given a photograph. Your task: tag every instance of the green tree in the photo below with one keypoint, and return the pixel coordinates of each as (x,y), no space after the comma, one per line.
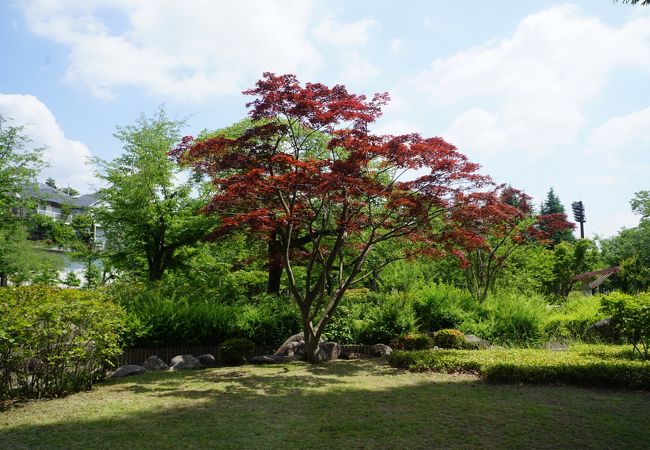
(569,260)
(145,213)
(553,220)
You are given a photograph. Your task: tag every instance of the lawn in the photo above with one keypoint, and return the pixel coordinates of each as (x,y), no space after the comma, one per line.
(343,404)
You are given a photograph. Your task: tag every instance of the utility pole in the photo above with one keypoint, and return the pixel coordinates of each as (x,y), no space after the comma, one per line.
(579,216)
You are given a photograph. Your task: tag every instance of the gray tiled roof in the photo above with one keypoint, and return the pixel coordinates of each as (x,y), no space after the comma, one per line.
(49,194)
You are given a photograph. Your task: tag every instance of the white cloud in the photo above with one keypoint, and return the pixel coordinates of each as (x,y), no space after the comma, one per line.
(527,92)
(357,69)
(396,45)
(66,157)
(329,31)
(629,133)
(190,49)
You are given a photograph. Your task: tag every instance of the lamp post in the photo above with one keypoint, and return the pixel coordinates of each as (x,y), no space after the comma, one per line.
(579,216)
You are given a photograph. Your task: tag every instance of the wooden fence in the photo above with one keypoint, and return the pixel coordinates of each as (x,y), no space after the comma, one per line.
(166,353)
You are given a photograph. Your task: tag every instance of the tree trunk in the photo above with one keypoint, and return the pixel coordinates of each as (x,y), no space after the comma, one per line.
(274,265)
(3,280)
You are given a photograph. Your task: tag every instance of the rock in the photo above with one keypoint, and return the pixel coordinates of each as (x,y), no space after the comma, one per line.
(128,370)
(273,359)
(294,346)
(380,350)
(350,355)
(476,341)
(185,362)
(328,351)
(604,329)
(556,346)
(155,363)
(207,360)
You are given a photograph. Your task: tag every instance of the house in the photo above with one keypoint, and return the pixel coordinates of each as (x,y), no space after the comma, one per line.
(58,205)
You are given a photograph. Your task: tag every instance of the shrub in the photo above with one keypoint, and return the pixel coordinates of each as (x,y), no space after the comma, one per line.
(391,318)
(572,319)
(236,351)
(449,338)
(631,317)
(55,341)
(442,306)
(603,366)
(415,341)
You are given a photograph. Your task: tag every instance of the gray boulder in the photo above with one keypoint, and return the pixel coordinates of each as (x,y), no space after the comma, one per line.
(605,330)
(155,363)
(185,362)
(349,355)
(207,360)
(128,370)
(477,342)
(294,346)
(380,350)
(328,351)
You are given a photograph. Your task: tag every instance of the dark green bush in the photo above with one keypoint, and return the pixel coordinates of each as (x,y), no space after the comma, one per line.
(572,319)
(601,366)
(631,317)
(55,341)
(449,338)
(392,317)
(415,341)
(440,306)
(236,351)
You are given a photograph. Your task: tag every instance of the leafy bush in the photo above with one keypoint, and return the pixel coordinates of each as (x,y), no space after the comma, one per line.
(392,317)
(442,306)
(236,351)
(449,338)
(631,317)
(603,366)
(415,341)
(572,319)
(55,341)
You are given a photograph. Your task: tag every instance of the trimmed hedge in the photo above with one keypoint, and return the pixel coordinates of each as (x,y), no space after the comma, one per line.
(55,341)
(602,366)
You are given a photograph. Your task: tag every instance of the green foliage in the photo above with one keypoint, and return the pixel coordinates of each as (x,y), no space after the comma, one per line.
(602,366)
(162,314)
(572,319)
(144,212)
(413,341)
(631,317)
(72,280)
(55,341)
(393,316)
(439,306)
(449,338)
(236,351)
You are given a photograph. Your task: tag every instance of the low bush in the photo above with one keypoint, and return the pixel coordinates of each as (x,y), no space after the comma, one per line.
(392,316)
(571,320)
(603,366)
(631,318)
(441,306)
(415,341)
(55,341)
(236,351)
(449,338)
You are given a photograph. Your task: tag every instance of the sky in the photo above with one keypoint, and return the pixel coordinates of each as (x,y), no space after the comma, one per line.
(540,93)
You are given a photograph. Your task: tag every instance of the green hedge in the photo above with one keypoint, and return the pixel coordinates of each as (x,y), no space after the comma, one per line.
(55,341)
(603,366)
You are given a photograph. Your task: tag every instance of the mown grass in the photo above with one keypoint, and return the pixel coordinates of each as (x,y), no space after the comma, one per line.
(343,404)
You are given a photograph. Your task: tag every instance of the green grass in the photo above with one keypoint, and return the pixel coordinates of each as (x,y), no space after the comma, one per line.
(343,404)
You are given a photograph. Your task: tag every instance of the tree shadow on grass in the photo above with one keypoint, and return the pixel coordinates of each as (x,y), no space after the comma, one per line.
(324,407)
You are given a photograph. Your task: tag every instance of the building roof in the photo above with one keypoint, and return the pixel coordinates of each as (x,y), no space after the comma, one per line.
(49,194)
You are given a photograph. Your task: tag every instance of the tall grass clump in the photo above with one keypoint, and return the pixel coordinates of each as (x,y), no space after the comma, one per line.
(442,306)
(571,320)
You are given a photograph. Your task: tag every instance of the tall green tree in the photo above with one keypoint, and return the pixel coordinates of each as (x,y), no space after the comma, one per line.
(146,213)
(19,166)
(553,220)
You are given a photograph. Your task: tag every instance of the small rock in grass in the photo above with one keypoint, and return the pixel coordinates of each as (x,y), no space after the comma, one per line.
(207,360)
(185,362)
(380,350)
(155,363)
(128,370)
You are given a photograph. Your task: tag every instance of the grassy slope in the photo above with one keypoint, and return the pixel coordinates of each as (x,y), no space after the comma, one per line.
(345,404)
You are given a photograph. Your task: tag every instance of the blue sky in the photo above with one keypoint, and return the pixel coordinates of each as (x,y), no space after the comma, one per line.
(540,93)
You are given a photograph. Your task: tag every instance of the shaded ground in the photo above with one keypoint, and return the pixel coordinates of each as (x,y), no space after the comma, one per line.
(344,404)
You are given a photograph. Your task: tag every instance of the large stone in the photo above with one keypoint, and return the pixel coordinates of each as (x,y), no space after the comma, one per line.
(328,351)
(380,350)
(185,362)
(476,341)
(349,355)
(128,370)
(294,346)
(155,363)
(207,360)
(605,330)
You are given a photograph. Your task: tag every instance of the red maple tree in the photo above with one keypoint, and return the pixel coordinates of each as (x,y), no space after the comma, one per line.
(309,176)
